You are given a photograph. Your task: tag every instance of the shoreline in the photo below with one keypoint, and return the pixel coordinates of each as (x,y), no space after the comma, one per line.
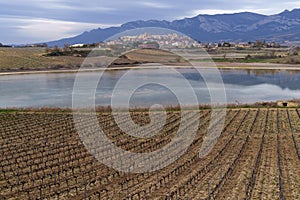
(219,65)
(293,104)
(105,110)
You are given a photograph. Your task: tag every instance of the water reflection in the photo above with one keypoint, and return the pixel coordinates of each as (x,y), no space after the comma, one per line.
(55,90)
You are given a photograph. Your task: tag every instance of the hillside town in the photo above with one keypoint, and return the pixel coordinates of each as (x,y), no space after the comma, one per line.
(174,40)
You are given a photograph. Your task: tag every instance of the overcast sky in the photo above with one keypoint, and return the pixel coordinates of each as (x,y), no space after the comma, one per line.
(28,21)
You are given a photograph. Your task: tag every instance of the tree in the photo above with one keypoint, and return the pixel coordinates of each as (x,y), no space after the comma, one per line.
(55,51)
(67,49)
(226,44)
(260,43)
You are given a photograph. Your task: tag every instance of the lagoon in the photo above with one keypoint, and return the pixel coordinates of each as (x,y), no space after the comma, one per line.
(241,86)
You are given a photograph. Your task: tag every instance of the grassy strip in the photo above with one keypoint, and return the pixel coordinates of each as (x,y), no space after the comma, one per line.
(252,60)
(144,109)
(8,110)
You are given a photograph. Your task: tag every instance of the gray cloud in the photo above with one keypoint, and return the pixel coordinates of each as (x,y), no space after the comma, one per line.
(36,20)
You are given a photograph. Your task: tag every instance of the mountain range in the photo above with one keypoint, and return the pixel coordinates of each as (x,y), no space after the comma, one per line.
(243,27)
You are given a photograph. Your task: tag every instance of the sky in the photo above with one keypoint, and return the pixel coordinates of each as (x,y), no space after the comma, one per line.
(30,21)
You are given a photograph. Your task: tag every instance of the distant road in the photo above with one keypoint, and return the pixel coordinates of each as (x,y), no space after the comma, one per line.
(221,65)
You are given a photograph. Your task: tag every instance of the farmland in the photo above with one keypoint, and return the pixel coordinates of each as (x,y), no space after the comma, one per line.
(257,156)
(27,59)
(36,59)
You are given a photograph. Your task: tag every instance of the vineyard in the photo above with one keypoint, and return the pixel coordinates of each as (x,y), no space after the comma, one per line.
(257,156)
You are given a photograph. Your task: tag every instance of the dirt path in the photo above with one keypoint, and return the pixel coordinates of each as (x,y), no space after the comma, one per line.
(220,65)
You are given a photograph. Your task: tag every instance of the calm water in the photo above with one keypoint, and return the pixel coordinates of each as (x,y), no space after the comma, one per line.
(55,90)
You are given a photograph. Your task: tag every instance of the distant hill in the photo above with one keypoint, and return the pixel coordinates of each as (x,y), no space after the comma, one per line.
(243,26)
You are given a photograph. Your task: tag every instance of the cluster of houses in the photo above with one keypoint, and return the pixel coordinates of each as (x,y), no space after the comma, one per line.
(149,41)
(242,45)
(291,103)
